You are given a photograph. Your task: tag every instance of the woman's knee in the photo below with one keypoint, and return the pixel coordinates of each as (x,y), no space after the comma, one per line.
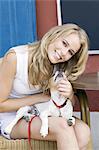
(57,125)
(83,134)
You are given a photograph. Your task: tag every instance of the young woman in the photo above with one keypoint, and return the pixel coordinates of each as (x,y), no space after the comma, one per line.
(24,75)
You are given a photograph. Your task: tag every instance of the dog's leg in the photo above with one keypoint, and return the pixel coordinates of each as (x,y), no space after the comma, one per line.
(67,112)
(20,113)
(68,116)
(44,118)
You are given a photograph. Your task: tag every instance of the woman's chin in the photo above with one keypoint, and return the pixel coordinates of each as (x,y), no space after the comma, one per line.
(54,61)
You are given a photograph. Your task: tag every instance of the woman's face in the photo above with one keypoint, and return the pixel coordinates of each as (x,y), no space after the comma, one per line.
(62,49)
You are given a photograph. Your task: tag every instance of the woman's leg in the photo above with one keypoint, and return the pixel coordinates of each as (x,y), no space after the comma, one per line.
(83,133)
(58,131)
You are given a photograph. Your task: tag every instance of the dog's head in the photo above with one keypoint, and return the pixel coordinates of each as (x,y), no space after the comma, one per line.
(58,75)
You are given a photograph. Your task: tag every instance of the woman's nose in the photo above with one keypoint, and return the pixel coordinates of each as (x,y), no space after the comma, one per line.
(64,52)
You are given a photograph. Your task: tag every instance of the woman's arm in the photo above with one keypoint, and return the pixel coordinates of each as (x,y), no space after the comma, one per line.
(14,104)
(7,74)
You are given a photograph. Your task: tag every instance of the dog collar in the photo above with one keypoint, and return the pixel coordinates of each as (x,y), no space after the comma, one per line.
(59,106)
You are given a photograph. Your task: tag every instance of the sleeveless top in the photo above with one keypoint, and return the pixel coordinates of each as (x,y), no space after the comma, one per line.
(21,86)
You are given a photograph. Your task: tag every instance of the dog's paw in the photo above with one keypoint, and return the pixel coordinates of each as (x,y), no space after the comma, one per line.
(43,135)
(44,131)
(71,121)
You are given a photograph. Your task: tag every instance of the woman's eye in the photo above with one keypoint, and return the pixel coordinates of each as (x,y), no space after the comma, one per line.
(71,52)
(64,43)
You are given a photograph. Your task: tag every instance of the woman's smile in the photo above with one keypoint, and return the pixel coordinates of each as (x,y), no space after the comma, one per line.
(57,55)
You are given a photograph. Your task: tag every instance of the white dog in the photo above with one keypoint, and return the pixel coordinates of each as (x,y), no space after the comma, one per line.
(56,106)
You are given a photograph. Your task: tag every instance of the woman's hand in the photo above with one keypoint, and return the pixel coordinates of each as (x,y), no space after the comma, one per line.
(65,87)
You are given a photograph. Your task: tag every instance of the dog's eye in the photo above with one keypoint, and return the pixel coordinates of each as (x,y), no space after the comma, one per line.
(55,78)
(53,74)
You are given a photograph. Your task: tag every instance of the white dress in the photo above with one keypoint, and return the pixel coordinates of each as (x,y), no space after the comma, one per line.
(20,87)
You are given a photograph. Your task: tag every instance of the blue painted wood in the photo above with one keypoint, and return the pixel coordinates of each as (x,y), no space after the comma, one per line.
(17,23)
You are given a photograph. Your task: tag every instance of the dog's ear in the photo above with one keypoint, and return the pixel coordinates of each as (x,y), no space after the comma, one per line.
(54,70)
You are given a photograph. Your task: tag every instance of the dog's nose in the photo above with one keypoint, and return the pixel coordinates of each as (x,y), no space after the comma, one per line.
(60,75)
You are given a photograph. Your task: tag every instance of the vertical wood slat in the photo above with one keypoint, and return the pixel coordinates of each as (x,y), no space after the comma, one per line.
(24,145)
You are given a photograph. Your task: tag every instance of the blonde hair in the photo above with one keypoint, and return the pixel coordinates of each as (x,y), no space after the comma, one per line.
(40,68)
